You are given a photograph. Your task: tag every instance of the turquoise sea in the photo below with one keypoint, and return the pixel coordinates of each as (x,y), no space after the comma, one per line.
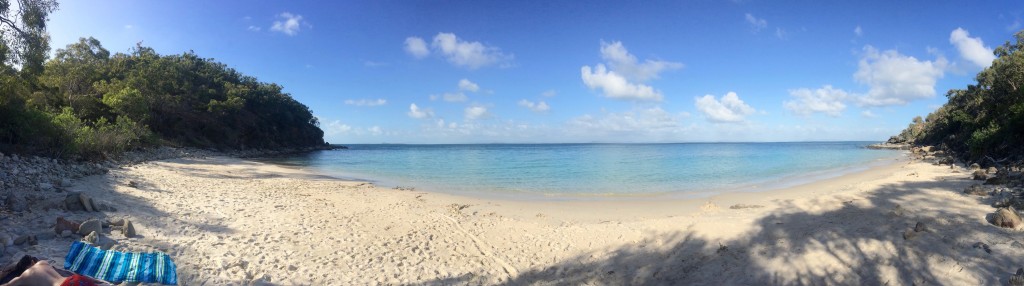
(593,170)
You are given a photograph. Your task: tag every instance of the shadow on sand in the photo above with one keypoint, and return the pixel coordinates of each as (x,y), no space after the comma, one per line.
(776,251)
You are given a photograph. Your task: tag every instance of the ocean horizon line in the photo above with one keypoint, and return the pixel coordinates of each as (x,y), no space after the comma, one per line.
(611,143)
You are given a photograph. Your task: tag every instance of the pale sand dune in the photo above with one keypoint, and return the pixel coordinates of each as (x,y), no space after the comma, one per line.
(230,221)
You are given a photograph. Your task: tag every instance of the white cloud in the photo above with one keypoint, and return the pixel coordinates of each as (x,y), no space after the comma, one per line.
(894,78)
(616,86)
(651,124)
(971,49)
(622,62)
(466,85)
(416,112)
(755,23)
(336,127)
(868,114)
(375,130)
(826,100)
(366,102)
(549,93)
(727,110)
(254,28)
(476,112)
(288,23)
(780,33)
(452,97)
(129,27)
(624,76)
(416,47)
(471,55)
(858,31)
(539,106)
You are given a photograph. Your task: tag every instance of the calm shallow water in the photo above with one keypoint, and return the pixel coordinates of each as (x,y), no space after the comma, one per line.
(591,169)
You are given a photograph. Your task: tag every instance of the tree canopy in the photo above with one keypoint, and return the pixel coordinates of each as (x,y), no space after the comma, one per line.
(986,118)
(87,101)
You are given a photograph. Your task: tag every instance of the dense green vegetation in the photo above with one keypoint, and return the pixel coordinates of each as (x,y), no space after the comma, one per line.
(86,102)
(986,118)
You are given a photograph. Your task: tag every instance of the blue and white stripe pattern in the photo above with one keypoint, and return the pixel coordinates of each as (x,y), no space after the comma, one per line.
(116,267)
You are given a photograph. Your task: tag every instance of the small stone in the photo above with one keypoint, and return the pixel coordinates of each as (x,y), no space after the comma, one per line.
(86,202)
(920,227)
(65,233)
(980,175)
(976,190)
(133,184)
(32,240)
(45,186)
(63,224)
(73,202)
(91,238)
(128,229)
(91,225)
(65,182)
(909,234)
(20,239)
(975,166)
(6,240)
(992,170)
(1006,217)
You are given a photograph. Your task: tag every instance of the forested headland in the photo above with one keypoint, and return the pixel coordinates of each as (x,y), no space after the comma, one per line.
(985,121)
(84,102)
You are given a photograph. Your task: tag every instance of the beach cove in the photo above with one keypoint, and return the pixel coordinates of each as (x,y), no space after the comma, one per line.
(229,221)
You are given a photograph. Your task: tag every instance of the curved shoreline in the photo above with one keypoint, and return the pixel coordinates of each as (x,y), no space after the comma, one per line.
(766,185)
(234,221)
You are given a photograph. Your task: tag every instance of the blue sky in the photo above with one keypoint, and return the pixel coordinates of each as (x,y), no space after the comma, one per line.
(556,71)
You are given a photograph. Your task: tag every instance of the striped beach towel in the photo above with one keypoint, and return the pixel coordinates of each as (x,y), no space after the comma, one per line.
(117,267)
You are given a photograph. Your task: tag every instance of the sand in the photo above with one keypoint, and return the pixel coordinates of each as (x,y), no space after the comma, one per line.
(228,221)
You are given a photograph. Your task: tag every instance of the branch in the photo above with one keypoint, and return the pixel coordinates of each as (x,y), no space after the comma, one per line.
(13,26)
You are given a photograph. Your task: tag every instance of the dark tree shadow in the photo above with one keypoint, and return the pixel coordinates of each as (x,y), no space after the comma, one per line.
(779,240)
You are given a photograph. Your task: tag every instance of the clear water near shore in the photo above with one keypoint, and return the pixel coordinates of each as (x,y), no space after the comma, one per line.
(592,170)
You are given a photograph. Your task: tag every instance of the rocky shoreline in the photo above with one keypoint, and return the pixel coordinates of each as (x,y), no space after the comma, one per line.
(31,185)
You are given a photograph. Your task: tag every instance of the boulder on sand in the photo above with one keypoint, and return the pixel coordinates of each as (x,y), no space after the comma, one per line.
(976,190)
(980,175)
(89,226)
(1005,217)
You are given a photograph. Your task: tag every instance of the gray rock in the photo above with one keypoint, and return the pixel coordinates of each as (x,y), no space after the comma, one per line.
(920,227)
(16,204)
(65,233)
(91,238)
(980,175)
(44,186)
(86,202)
(73,202)
(65,182)
(128,229)
(91,225)
(976,190)
(20,239)
(1006,217)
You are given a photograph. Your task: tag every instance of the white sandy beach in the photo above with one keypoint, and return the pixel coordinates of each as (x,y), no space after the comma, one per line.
(228,221)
